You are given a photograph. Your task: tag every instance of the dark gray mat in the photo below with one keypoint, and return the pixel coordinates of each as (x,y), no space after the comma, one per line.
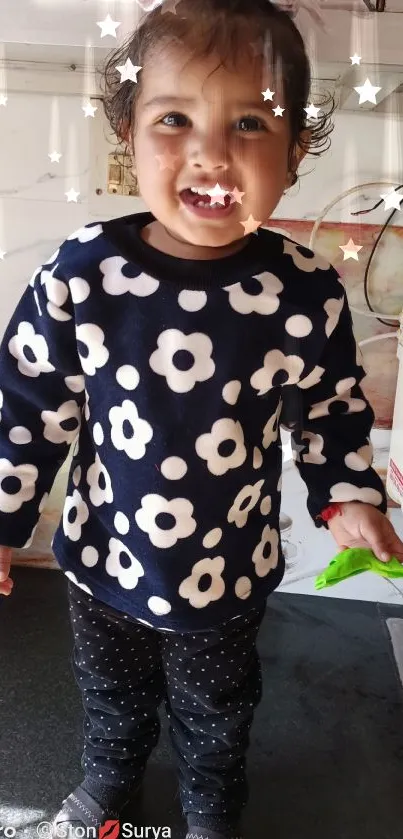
(326,747)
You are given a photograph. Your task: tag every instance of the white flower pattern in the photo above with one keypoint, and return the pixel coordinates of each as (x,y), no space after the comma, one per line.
(53,431)
(27,337)
(75,514)
(189,588)
(140,430)
(71,576)
(97,475)
(200,364)
(116,283)
(129,576)
(25,475)
(263,563)
(250,496)
(190,467)
(274,361)
(92,337)
(309,263)
(207,446)
(265,303)
(179,509)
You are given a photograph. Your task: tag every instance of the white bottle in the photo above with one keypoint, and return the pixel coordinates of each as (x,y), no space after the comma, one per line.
(394,478)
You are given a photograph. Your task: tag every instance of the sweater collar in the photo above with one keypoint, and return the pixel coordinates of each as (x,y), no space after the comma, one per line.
(195,274)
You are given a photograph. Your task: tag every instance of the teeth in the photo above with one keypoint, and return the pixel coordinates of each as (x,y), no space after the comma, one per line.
(209,206)
(202,191)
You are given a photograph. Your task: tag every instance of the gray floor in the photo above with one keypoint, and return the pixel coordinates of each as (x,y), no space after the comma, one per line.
(326,746)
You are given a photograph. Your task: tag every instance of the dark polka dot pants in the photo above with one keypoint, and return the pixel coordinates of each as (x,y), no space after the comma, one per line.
(210,683)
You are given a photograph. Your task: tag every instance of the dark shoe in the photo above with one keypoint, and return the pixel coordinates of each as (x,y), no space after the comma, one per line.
(81,810)
(205,833)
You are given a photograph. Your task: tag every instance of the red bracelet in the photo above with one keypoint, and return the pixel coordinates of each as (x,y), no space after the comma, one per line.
(330,511)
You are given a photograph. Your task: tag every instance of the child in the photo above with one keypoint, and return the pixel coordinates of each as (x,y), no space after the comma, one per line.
(171,345)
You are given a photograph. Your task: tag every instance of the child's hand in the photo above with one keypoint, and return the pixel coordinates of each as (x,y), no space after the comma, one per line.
(6,583)
(363,526)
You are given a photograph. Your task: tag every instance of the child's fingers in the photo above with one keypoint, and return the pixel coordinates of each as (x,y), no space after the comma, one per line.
(5,562)
(6,587)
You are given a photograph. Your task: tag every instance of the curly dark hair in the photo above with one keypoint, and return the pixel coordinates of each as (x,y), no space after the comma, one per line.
(221,27)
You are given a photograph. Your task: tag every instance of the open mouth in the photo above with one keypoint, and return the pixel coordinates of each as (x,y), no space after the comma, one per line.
(194,200)
(205,208)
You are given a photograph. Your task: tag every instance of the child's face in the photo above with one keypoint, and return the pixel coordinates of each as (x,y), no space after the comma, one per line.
(212,138)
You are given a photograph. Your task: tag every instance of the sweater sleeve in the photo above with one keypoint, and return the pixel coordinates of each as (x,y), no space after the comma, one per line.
(42,393)
(330,424)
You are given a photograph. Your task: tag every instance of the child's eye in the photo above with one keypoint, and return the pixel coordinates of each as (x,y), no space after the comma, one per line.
(175,115)
(169,116)
(252,119)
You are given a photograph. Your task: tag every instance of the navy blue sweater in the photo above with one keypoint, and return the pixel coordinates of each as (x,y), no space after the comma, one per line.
(171,377)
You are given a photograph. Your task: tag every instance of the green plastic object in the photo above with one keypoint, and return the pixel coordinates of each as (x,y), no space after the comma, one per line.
(354,561)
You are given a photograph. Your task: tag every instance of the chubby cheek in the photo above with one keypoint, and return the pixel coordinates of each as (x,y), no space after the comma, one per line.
(157,172)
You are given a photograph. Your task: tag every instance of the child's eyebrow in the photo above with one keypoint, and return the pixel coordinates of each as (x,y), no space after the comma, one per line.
(166,100)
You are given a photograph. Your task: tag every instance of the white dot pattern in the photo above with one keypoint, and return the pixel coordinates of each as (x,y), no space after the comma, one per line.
(128,377)
(210,682)
(212,538)
(98,434)
(20,435)
(173,468)
(121,523)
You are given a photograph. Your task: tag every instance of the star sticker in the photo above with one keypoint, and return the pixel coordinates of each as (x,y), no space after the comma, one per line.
(367,92)
(3,99)
(128,71)
(392,200)
(289,450)
(55,156)
(286,449)
(236,195)
(89,109)
(217,194)
(278,112)
(355,59)
(108,26)
(72,195)
(350,250)
(251,225)
(297,450)
(268,94)
(312,111)
(167,160)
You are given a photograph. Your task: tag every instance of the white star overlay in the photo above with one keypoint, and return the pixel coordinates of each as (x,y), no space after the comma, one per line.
(367,92)
(108,26)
